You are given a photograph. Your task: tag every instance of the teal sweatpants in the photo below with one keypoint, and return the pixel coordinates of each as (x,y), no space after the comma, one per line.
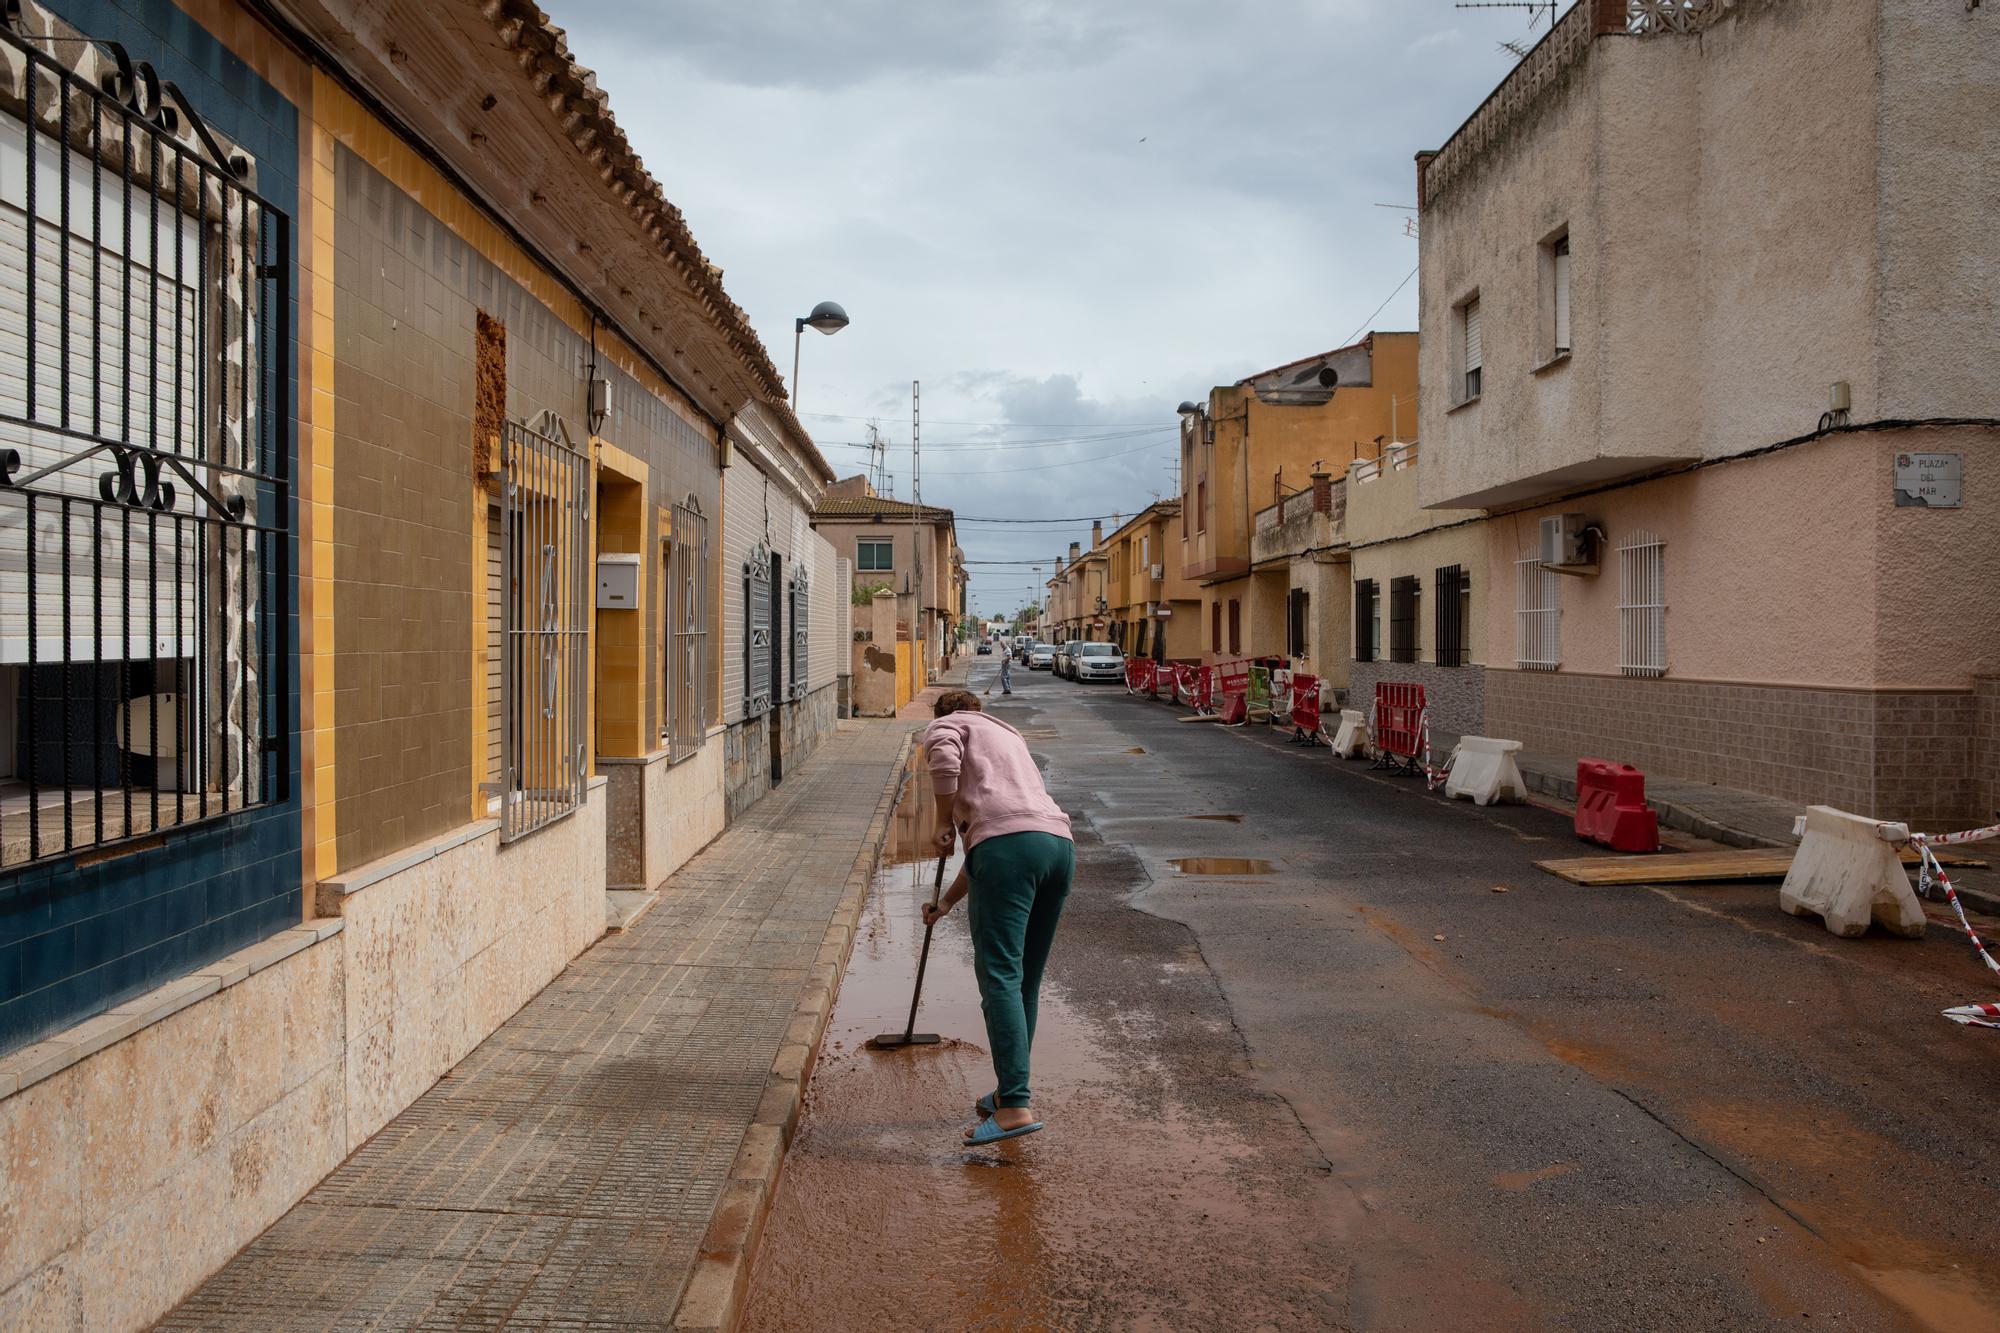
(1019,881)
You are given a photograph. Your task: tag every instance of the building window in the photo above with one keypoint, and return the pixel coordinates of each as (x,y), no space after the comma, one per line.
(1297,606)
(1558,251)
(1215,626)
(1537,615)
(1642,606)
(874,557)
(1452,589)
(545,624)
(1365,627)
(1471,351)
(1404,594)
(757,645)
(145,473)
(684,644)
(801,630)
(1201,506)
(1235,627)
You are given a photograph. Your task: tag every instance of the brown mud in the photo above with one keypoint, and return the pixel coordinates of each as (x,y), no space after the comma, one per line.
(1165,1192)
(1220,865)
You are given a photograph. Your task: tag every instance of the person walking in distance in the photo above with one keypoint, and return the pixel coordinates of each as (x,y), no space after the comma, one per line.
(1019,859)
(1007,672)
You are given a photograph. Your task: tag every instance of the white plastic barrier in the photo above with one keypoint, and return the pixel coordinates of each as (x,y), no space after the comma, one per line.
(1352,738)
(1848,874)
(1486,770)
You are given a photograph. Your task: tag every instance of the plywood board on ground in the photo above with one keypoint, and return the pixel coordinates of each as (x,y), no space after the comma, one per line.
(1698,867)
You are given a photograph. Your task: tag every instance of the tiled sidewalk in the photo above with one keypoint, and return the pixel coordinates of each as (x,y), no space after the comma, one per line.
(567,1172)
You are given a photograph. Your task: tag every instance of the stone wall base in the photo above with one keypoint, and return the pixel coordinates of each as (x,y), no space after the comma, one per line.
(802,724)
(660,813)
(142,1149)
(1456,696)
(1915,755)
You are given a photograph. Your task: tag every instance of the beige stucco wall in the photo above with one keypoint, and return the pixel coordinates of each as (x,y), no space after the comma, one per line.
(1422,555)
(1706,318)
(132,1173)
(1792,568)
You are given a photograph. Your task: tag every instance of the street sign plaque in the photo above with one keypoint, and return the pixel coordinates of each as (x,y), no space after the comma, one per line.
(1929,481)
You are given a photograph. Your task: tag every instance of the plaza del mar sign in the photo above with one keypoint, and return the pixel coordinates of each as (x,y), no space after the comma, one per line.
(1929,481)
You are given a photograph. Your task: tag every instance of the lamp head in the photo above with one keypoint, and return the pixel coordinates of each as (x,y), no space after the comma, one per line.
(827,317)
(1189,408)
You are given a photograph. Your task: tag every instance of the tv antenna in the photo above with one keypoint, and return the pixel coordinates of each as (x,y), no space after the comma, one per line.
(1535,8)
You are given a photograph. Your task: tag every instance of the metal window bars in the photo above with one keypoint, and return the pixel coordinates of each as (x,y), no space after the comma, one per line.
(1642,606)
(1453,589)
(685,642)
(544,628)
(757,631)
(1403,596)
(1364,620)
(1537,615)
(145,488)
(801,610)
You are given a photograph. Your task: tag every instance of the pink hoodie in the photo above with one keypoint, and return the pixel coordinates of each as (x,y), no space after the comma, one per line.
(999,788)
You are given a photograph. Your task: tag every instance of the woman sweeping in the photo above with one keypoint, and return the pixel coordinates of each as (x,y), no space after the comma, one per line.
(1018,861)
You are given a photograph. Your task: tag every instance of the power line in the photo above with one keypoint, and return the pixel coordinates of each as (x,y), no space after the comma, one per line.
(1003,425)
(1378,309)
(1067,462)
(1050,443)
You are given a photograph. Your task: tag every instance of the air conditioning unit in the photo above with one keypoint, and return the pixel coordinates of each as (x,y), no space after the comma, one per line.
(1159,571)
(1567,542)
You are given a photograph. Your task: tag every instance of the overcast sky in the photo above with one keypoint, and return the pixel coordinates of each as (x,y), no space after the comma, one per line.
(1063,218)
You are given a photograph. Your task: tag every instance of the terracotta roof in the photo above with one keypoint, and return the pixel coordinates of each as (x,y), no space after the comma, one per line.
(570,93)
(875,506)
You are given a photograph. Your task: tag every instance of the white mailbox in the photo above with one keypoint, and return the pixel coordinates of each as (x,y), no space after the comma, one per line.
(618,581)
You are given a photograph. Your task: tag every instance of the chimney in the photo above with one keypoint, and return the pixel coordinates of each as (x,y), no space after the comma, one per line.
(1423,161)
(1322,492)
(1096,533)
(1075,550)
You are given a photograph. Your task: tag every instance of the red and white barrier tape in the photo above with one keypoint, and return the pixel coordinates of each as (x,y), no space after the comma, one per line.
(1929,867)
(1434,777)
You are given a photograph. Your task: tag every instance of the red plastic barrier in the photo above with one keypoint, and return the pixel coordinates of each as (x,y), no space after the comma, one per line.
(1305,702)
(1399,711)
(1232,678)
(1235,708)
(1611,807)
(1139,675)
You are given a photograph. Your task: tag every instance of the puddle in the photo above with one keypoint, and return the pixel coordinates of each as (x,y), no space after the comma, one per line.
(1220,865)
(914,822)
(1226,819)
(1145,1204)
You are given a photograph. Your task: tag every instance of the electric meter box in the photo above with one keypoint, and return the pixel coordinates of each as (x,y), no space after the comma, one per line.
(618,581)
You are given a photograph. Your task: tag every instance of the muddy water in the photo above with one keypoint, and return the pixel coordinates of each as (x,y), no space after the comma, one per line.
(1146,1203)
(1220,865)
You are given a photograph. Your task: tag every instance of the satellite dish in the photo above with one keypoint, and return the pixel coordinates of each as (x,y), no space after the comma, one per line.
(1328,377)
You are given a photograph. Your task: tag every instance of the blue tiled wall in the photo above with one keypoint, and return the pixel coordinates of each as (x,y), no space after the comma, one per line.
(77,940)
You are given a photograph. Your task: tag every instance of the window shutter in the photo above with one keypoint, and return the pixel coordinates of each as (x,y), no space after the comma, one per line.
(1472,343)
(1561,277)
(1364,620)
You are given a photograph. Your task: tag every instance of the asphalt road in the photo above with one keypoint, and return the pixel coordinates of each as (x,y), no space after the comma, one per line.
(1413,1101)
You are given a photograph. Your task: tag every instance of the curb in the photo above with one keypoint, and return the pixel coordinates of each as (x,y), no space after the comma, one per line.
(1678,817)
(713,1297)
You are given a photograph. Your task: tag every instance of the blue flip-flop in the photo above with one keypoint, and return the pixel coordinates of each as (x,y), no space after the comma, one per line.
(989,1131)
(984,1106)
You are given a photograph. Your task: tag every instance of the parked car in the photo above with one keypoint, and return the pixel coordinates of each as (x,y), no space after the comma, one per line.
(985,649)
(1021,646)
(1065,664)
(1041,657)
(1097,661)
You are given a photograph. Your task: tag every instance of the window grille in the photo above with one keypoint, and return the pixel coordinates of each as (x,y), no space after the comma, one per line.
(801,625)
(1474,349)
(145,478)
(545,549)
(1364,620)
(1215,626)
(1537,615)
(1295,622)
(1235,626)
(1201,506)
(757,631)
(1642,606)
(874,557)
(1453,590)
(1403,596)
(685,642)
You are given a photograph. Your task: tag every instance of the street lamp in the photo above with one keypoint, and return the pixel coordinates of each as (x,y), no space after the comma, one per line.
(829,319)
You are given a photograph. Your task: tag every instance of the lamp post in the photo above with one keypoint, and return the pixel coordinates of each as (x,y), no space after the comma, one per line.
(829,319)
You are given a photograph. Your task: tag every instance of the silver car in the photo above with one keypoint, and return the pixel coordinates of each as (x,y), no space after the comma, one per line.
(1097,661)
(1041,657)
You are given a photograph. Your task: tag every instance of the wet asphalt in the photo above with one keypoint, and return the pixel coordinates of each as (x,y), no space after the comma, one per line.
(1580,1108)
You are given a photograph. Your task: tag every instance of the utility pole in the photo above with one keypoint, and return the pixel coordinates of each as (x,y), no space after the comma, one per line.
(917,516)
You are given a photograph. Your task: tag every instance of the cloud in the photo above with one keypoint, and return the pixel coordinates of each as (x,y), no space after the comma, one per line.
(1060,217)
